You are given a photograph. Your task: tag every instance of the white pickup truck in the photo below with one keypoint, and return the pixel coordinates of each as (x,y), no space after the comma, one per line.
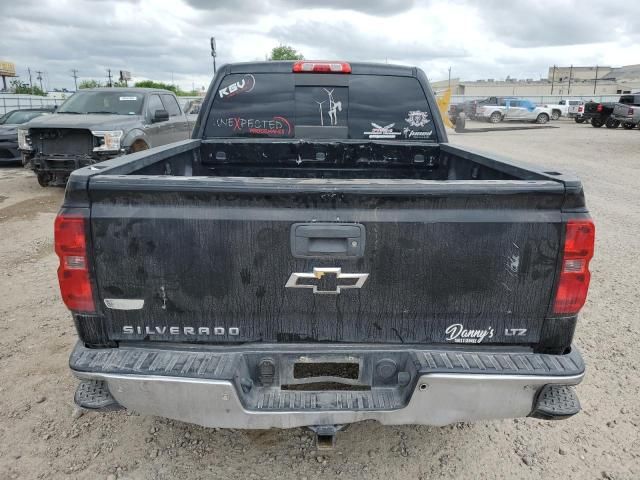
(564,108)
(514,109)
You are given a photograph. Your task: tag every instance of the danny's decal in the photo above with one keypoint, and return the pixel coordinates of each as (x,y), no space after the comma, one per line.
(416,134)
(458,334)
(279,126)
(245,84)
(378,131)
(334,108)
(417,118)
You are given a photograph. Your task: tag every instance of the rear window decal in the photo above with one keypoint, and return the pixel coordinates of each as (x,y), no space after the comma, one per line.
(333,108)
(417,134)
(245,84)
(386,131)
(276,126)
(417,118)
(124,99)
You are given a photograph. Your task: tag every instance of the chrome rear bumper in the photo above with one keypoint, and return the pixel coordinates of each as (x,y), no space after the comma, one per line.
(223,399)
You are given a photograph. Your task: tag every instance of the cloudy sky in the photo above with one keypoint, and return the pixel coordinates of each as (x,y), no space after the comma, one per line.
(169,40)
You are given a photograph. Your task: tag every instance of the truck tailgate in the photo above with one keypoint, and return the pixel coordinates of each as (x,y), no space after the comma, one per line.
(215,259)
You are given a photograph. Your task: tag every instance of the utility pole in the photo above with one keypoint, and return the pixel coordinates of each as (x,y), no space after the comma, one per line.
(75,77)
(109,75)
(595,83)
(449,78)
(39,77)
(553,78)
(30,81)
(570,74)
(213,53)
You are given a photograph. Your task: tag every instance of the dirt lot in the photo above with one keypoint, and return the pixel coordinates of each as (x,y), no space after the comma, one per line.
(40,437)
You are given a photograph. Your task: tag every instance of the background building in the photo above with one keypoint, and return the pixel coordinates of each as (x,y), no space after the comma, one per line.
(563,81)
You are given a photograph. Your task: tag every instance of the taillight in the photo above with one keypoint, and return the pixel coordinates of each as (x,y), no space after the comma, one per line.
(73,272)
(630,112)
(580,109)
(304,66)
(599,107)
(574,276)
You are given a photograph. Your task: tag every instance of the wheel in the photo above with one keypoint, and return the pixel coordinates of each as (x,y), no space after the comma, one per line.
(138,146)
(555,115)
(496,117)
(579,120)
(542,118)
(596,122)
(628,126)
(43,179)
(612,123)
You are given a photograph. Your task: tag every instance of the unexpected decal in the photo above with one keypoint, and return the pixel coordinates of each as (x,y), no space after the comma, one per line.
(174,330)
(458,334)
(245,84)
(417,118)
(276,126)
(416,134)
(125,99)
(334,108)
(378,131)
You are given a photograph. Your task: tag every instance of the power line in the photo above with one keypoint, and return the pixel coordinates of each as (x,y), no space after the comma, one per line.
(75,77)
(39,77)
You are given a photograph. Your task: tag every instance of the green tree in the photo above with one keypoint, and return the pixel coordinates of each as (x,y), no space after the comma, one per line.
(89,84)
(151,84)
(18,86)
(285,52)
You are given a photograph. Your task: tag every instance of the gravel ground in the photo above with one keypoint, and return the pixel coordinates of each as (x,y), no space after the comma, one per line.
(41,435)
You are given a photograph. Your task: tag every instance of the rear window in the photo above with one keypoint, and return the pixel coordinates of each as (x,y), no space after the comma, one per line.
(355,107)
(630,99)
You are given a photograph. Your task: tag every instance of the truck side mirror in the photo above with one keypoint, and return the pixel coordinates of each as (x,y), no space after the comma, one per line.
(160,116)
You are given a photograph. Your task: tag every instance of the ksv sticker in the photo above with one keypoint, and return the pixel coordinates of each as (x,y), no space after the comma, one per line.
(245,84)
(458,334)
(417,118)
(378,131)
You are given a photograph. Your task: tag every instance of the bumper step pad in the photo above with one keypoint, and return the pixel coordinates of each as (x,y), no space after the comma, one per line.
(556,402)
(95,395)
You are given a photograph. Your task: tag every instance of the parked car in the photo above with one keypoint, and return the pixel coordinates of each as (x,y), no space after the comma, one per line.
(627,111)
(564,108)
(94,125)
(9,122)
(513,109)
(470,108)
(599,114)
(308,266)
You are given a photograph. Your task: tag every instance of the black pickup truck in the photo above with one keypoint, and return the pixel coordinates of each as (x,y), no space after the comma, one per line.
(318,254)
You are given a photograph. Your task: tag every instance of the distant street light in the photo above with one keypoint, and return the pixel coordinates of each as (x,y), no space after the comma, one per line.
(213,53)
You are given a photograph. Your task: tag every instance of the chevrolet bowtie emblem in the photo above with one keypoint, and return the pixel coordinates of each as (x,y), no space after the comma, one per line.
(311,280)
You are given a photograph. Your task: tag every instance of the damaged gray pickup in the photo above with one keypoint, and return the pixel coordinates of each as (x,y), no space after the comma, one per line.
(318,254)
(94,125)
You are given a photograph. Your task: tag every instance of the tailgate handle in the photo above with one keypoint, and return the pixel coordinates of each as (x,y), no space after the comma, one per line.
(339,240)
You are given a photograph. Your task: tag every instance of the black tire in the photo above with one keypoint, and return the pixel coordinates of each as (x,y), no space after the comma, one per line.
(542,118)
(612,123)
(496,117)
(43,179)
(596,122)
(628,126)
(556,114)
(579,120)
